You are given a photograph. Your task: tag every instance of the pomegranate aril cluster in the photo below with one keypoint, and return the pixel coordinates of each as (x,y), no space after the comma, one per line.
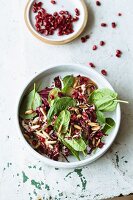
(61,21)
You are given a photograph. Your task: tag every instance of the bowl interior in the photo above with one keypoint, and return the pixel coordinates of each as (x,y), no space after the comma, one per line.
(46,78)
(60,5)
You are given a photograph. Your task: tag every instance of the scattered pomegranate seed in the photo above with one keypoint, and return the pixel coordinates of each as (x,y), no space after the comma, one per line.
(113,25)
(83,39)
(53,2)
(118,53)
(92,65)
(119,14)
(87,37)
(102,43)
(94,47)
(104,72)
(103,24)
(98,3)
(77,11)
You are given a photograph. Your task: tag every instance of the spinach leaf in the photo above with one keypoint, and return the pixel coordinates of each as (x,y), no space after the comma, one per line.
(75,153)
(104,99)
(59,105)
(68,82)
(100,117)
(53,92)
(77,144)
(30,102)
(63,119)
(110,123)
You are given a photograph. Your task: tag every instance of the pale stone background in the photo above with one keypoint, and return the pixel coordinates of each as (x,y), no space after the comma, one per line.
(21,57)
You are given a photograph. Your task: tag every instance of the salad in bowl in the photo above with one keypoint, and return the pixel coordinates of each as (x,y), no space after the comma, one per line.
(68,118)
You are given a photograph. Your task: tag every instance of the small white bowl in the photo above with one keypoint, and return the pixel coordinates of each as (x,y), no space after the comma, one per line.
(47,77)
(68,5)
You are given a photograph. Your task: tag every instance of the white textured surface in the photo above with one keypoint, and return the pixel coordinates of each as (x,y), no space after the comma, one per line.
(21,57)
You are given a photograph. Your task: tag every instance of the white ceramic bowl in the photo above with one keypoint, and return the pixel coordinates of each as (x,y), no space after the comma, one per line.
(61,5)
(47,77)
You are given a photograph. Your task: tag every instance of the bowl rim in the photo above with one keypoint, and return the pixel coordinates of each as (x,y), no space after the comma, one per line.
(54,42)
(51,162)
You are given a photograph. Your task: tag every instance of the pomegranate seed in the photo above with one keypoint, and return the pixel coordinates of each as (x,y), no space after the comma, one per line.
(98,3)
(94,47)
(104,72)
(51,96)
(87,37)
(102,43)
(60,33)
(42,31)
(103,24)
(34,142)
(113,25)
(39,4)
(119,14)
(77,11)
(43,10)
(62,12)
(41,139)
(118,53)
(37,26)
(46,32)
(83,39)
(92,65)
(53,2)
(34,9)
(75,19)
(55,14)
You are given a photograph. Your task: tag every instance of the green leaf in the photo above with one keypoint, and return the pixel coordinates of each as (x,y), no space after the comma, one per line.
(100,117)
(110,123)
(63,119)
(111,106)
(53,92)
(59,105)
(30,102)
(104,99)
(77,144)
(75,153)
(68,82)
(106,104)
(37,101)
